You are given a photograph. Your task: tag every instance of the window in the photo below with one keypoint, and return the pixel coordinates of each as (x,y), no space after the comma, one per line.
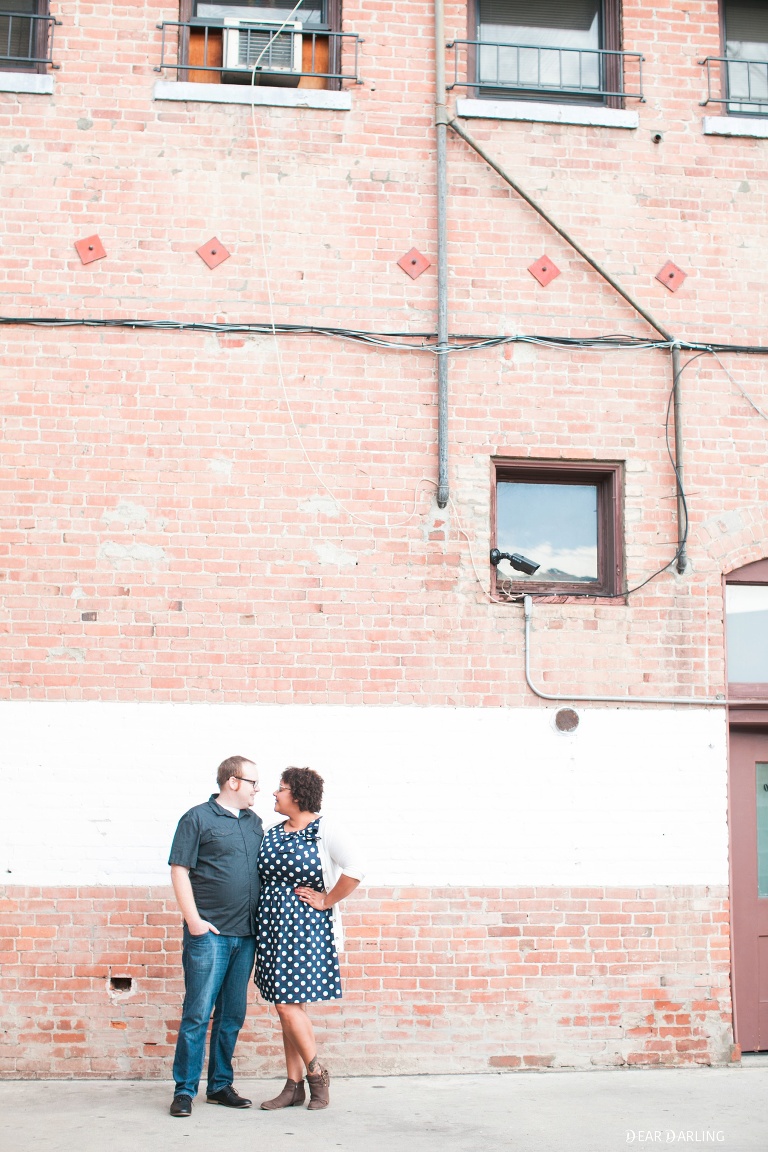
(746,618)
(24,35)
(553,49)
(565,517)
(746,631)
(224,40)
(746,50)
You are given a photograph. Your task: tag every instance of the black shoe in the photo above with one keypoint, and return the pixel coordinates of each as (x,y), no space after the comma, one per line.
(228,1097)
(182,1105)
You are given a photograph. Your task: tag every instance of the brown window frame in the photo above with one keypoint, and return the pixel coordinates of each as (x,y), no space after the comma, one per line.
(42,33)
(608,477)
(724,77)
(610,41)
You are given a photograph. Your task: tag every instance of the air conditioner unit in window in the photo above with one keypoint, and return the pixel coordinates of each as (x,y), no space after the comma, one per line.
(278,52)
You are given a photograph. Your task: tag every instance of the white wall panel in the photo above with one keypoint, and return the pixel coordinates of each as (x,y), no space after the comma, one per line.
(90,792)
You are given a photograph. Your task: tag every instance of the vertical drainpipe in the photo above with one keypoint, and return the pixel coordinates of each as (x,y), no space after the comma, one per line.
(441,121)
(682,511)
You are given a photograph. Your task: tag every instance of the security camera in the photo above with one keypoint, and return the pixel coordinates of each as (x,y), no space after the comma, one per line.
(520,563)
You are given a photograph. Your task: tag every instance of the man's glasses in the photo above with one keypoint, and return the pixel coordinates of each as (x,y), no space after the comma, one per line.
(245,780)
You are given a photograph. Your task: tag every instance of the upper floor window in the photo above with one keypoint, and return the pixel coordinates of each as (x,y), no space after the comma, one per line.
(553,49)
(25,35)
(261,42)
(746,52)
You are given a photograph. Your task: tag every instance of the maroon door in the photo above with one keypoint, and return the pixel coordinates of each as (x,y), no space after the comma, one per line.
(749,885)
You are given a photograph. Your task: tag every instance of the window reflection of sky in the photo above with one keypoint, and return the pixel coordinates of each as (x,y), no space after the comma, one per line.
(553,524)
(310,12)
(746,618)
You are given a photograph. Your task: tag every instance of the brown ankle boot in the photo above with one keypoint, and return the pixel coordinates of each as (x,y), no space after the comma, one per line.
(292,1094)
(319,1096)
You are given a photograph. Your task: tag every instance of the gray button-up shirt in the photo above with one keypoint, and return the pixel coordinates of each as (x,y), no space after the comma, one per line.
(221,852)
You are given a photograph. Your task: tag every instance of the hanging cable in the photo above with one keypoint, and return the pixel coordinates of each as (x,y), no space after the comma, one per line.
(402,341)
(736,384)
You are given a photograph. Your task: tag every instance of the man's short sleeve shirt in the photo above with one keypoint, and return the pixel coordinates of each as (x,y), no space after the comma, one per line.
(221,852)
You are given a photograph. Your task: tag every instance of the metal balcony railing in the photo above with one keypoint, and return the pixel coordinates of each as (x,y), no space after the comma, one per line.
(574,73)
(26,40)
(198,50)
(742,85)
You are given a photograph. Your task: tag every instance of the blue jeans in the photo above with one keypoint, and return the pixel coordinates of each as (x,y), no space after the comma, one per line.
(217,972)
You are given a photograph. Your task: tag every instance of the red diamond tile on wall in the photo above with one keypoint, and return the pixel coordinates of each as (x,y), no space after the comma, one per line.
(413,263)
(213,253)
(671,276)
(544,270)
(90,249)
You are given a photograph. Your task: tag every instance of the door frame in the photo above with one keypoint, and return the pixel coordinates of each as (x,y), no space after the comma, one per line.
(747,711)
(755,724)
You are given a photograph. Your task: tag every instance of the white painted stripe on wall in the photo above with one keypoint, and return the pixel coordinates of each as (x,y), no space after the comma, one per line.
(90,793)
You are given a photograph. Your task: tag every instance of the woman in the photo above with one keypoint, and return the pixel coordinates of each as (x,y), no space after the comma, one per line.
(306,868)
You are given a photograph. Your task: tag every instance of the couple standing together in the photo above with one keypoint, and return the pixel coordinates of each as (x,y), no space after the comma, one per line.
(272,897)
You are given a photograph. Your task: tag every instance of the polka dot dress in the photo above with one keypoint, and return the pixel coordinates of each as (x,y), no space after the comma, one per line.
(296,959)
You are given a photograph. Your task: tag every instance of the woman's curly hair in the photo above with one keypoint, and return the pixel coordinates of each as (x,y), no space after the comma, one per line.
(306,788)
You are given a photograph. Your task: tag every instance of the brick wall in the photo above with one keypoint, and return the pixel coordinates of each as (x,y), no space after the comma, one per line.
(174,533)
(156,478)
(434,980)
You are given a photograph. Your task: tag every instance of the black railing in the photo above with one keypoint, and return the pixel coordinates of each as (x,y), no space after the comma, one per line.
(518,69)
(199,50)
(742,84)
(26,40)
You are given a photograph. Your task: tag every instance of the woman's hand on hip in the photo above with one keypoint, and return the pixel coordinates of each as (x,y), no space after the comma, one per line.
(312,897)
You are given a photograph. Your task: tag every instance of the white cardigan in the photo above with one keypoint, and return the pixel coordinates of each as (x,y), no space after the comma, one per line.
(338,855)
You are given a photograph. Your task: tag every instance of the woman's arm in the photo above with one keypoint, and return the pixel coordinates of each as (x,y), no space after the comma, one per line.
(322,900)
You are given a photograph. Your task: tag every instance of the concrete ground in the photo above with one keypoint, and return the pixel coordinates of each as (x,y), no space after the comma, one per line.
(601,1111)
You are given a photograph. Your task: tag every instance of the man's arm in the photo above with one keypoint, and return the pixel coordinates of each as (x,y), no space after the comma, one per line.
(185,898)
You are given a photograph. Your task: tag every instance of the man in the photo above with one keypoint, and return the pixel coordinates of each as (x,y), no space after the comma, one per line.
(216,881)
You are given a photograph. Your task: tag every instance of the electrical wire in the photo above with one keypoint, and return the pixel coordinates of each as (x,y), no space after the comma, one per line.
(678,480)
(680,490)
(743,391)
(460,528)
(402,341)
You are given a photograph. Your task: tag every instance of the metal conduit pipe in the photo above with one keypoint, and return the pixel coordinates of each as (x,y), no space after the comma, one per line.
(682,519)
(441,119)
(702,701)
(682,511)
(461,131)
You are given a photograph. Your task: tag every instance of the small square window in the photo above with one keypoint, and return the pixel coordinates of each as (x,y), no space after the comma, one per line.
(564,517)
